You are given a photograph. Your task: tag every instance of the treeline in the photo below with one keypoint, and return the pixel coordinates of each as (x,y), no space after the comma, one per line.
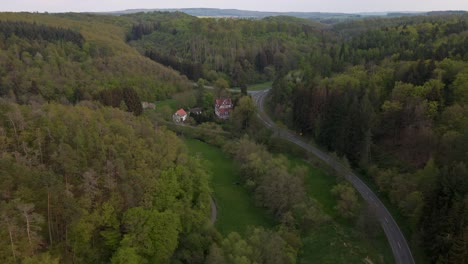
(33,31)
(421,41)
(240,51)
(418,39)
(142,29)
(260,246)
(349,29)
(393,101)
(82,185)
(192,70)
(117,97)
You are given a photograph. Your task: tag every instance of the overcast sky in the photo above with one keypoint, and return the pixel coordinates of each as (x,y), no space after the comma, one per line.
(260,5)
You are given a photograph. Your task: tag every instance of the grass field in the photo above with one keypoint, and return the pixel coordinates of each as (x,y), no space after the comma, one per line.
(259,86)
(236,210)
(169,102)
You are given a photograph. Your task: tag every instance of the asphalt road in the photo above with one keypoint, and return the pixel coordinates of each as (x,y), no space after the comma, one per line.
(401,251)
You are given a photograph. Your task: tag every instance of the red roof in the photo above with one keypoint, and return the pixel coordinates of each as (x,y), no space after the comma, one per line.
(181,112)
(223,107)
(225,101)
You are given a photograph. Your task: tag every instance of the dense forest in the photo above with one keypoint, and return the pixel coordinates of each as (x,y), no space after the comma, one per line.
(87,183)
(93,184)
(82,180)
(240,51)
(392,99)
(43,63)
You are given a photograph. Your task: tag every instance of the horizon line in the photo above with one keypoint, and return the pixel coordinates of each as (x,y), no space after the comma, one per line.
(215,8)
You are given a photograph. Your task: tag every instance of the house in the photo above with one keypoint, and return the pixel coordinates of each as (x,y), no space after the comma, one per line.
(223,107)
(147,105)
(179,116)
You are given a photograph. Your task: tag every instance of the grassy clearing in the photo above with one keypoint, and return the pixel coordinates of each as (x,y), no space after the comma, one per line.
(318,185)
(171,103)
(339,241)
(236,210)
(259,86)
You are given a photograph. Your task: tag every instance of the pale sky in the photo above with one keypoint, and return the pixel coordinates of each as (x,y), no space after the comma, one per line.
(259,5)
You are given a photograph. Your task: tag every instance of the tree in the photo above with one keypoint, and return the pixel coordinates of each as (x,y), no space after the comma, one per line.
(347,200)
(220,87)
(243,88)
(32,224)
(243,113)
(132,100)
(444,217)
(152,234)
(261,246)
(8,223)
(280,62)
(216,255)
(127,255)
(271,247)
(237,250)
(238,75)
(200,92)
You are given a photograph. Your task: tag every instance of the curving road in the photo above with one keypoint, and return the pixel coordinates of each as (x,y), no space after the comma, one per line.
(401,251)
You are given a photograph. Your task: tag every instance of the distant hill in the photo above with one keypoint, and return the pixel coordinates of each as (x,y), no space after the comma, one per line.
(214,12)
(320,16)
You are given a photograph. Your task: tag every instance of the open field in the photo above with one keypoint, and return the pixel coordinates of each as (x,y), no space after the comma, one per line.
(236,209)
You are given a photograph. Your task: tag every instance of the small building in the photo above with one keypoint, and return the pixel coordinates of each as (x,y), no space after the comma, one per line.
(196,111)
(223,107)
(147,105)
(180,116)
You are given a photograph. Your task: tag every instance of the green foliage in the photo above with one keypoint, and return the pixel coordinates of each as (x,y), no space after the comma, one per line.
(391,98)
(44,258)
(126,99)
(236,210)
(261,246)
(275,186)
(89,184)
(34,32)
(245,51)
(127,255)
(153,234)
(444,224)
(243,114)
(49,60)
(348,202)
(92,184)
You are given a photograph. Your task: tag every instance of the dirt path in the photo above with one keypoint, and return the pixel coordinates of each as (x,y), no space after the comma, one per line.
(214,210)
